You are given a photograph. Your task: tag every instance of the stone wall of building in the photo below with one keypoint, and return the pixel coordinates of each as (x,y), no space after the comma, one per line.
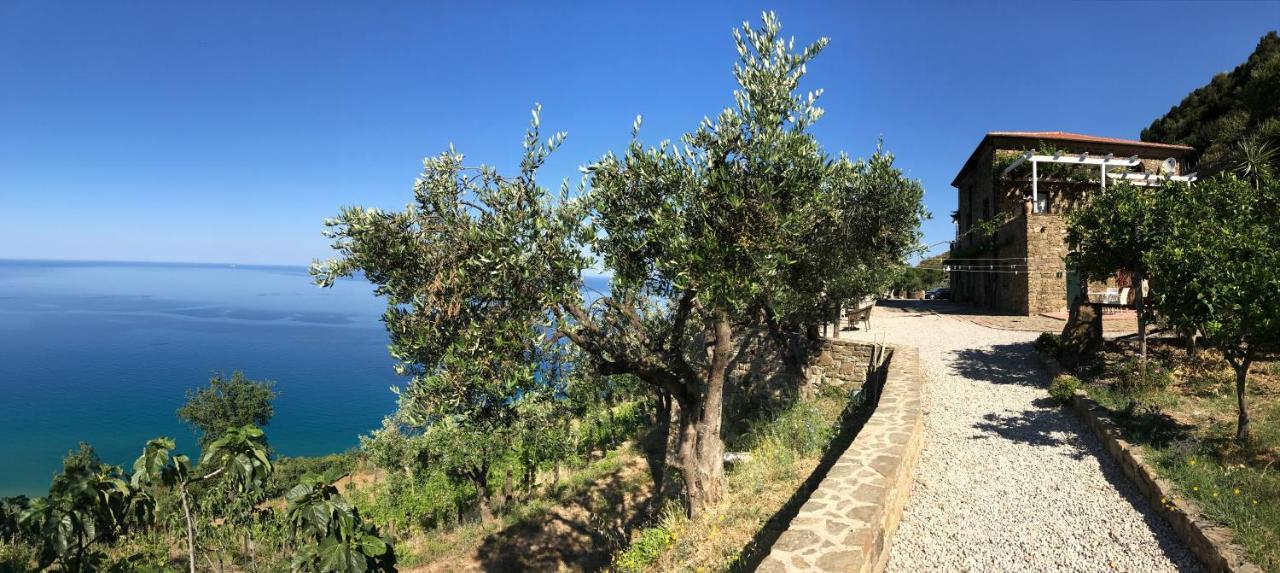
(1036,238)
(848,523)
(1046,263)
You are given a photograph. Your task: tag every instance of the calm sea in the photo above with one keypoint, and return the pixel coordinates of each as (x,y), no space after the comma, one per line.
(103,352)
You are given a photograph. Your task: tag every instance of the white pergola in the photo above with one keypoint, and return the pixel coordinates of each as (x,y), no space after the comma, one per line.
(1104,162)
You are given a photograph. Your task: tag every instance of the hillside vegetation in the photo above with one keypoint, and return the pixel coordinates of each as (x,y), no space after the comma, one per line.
(1233,116)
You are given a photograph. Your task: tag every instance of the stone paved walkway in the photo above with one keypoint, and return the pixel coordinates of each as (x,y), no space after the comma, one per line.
(1008,481)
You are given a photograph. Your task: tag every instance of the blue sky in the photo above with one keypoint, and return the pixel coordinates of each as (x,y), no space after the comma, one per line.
(225,132)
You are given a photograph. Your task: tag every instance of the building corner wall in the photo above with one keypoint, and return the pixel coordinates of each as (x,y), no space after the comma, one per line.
(1046,263)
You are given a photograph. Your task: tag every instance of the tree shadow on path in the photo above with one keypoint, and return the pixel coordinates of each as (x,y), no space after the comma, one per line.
(1046,424)
(1005,364)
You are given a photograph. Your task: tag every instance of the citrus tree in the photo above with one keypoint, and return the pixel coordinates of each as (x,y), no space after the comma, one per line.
(1118,229)
(1218,267)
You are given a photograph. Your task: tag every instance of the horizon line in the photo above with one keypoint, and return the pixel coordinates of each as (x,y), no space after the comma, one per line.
(6,259)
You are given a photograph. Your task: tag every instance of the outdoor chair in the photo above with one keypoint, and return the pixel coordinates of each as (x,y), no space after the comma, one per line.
(862,315)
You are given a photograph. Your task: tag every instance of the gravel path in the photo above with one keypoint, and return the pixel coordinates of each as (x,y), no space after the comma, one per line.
(1008,481)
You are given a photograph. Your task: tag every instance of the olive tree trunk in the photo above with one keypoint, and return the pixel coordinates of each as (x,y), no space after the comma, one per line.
(656,444)
(480,479)
(701,448)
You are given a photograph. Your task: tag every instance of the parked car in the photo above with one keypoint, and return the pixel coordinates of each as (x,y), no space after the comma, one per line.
(940,293)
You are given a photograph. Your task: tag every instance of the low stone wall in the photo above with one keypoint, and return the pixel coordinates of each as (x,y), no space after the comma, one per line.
(841,363)
(848,523)
(757,370)
(1209,541)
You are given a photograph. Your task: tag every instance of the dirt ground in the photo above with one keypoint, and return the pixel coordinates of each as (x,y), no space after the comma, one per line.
(579,533)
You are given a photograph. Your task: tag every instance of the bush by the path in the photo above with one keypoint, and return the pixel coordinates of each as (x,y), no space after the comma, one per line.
(1063,387)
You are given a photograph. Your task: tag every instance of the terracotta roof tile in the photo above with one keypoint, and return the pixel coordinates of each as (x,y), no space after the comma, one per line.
(1065,136)
(1068,136)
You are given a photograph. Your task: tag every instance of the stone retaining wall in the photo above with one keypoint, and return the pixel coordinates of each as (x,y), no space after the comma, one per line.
(848,522)
(757,370)
(841,363)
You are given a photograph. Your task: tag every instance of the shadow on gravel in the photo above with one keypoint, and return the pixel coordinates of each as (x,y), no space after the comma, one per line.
(1000,364)
(1049,425)
(1049,428)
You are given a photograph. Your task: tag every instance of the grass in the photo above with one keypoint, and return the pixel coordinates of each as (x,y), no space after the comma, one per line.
(1186,428)
(785,448)
(529,521)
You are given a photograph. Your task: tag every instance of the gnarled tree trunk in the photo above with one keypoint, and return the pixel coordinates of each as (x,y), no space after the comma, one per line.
(701,448)
(656,444)
(790,347)
(480,478)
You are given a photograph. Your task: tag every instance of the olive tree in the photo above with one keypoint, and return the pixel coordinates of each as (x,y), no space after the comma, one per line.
(694,234)
(847,243)
(1218,267)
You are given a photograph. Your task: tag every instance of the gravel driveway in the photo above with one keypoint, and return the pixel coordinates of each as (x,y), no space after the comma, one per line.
(1008,481)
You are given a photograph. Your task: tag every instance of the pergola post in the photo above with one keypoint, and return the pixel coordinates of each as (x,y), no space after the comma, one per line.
(1035,187)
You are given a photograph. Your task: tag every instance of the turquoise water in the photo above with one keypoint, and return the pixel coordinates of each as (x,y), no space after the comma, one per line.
(103,352)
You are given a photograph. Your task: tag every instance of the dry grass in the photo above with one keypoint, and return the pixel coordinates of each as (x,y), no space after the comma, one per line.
(784,452)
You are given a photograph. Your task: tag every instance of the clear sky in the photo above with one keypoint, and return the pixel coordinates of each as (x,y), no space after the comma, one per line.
(226,132)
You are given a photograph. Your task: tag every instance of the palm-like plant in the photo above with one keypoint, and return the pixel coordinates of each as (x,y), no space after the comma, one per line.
(241,457)
(330,535)
(1255,161)
(11,509)
(158,466)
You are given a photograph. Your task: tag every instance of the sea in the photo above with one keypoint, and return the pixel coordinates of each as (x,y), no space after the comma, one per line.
(104,353)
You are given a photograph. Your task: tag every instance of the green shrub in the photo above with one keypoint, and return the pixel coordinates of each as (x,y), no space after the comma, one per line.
(1135,377)
(1063,387)
(648,546)
(802,429)
(290,471)
(1048,344)
(17,557)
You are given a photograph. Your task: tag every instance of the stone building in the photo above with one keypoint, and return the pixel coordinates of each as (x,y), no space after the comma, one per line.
(1010,250)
